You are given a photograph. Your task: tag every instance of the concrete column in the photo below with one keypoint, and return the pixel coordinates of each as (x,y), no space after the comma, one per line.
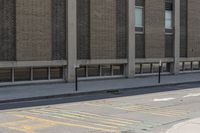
(72,40)
(176,36)
(130,72)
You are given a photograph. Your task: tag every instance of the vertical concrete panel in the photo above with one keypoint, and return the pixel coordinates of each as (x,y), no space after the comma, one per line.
(72,39)
(7,30)
(33,20)
(83,28)
(103,29)
(193,28)
(154,28)
(121,29)
(58,29)
(130,67)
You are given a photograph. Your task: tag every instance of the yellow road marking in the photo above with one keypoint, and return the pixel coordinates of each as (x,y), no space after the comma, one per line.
(27,125)
(60,117)
(67,124)
(95,116)
(68,115)
(151,110)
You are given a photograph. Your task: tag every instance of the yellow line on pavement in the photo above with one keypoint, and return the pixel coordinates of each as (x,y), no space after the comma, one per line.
(99,117)
(67,124)
(143,109)
(121,119)
(71,116)
(19,129)
(62,116)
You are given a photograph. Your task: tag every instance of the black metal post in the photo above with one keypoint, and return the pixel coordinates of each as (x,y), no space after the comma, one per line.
(159,74)
(76,80)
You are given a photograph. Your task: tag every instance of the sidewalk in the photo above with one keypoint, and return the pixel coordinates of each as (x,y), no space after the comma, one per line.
(191,126)
(41,91)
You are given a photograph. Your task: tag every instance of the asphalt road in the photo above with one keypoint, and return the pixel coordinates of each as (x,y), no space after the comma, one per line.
(148,110)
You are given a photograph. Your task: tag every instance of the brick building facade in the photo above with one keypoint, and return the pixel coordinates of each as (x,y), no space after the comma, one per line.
(43,40)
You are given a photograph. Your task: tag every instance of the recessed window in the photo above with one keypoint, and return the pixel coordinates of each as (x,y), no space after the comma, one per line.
(181,64)
(146,68)
(118,69)
(106,70)
(40,73)
(93,70)
(168,19)
(187,66)
(22,74)
(5,75)
(138,68)
(56,72)
(139,17)
(81,72)
(195,65)
(155,68)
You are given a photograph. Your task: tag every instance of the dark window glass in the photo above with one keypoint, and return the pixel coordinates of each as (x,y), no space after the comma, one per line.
(138,68)
(40,73)
(81,72)
(56,72)
(155,68)
(93,70)
(5,75)
(166,67)
(106,70)
(146,68)
(118,69)
(187,66)
(22,74)
(181,66)
(195,65)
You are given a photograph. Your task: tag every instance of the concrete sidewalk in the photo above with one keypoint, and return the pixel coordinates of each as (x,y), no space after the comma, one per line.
(41,91)
(191,126)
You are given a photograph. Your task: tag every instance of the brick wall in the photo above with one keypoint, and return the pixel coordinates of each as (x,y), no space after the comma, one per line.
(121,27)
(103,29)
(154,28)
(183,29)
(83,29)
(193,28)
(7,30)
(33,30)
(59,29)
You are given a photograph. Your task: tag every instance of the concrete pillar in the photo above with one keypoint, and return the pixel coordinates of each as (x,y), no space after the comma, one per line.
(176,36)
(130,72)
(72,39)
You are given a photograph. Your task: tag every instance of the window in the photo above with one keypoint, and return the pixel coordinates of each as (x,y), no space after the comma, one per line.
(81,72)
(138,68)
(118,69)
(195,65)
(146,68)
(93,70)
(56,72)
(5,75)
(22,74)
(40,73)
(181,64)
(168,19)
(187,66)
(139,17)
(106,70)
(155,68)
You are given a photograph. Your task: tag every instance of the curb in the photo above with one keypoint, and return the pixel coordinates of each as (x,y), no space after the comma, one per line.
(95,92)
